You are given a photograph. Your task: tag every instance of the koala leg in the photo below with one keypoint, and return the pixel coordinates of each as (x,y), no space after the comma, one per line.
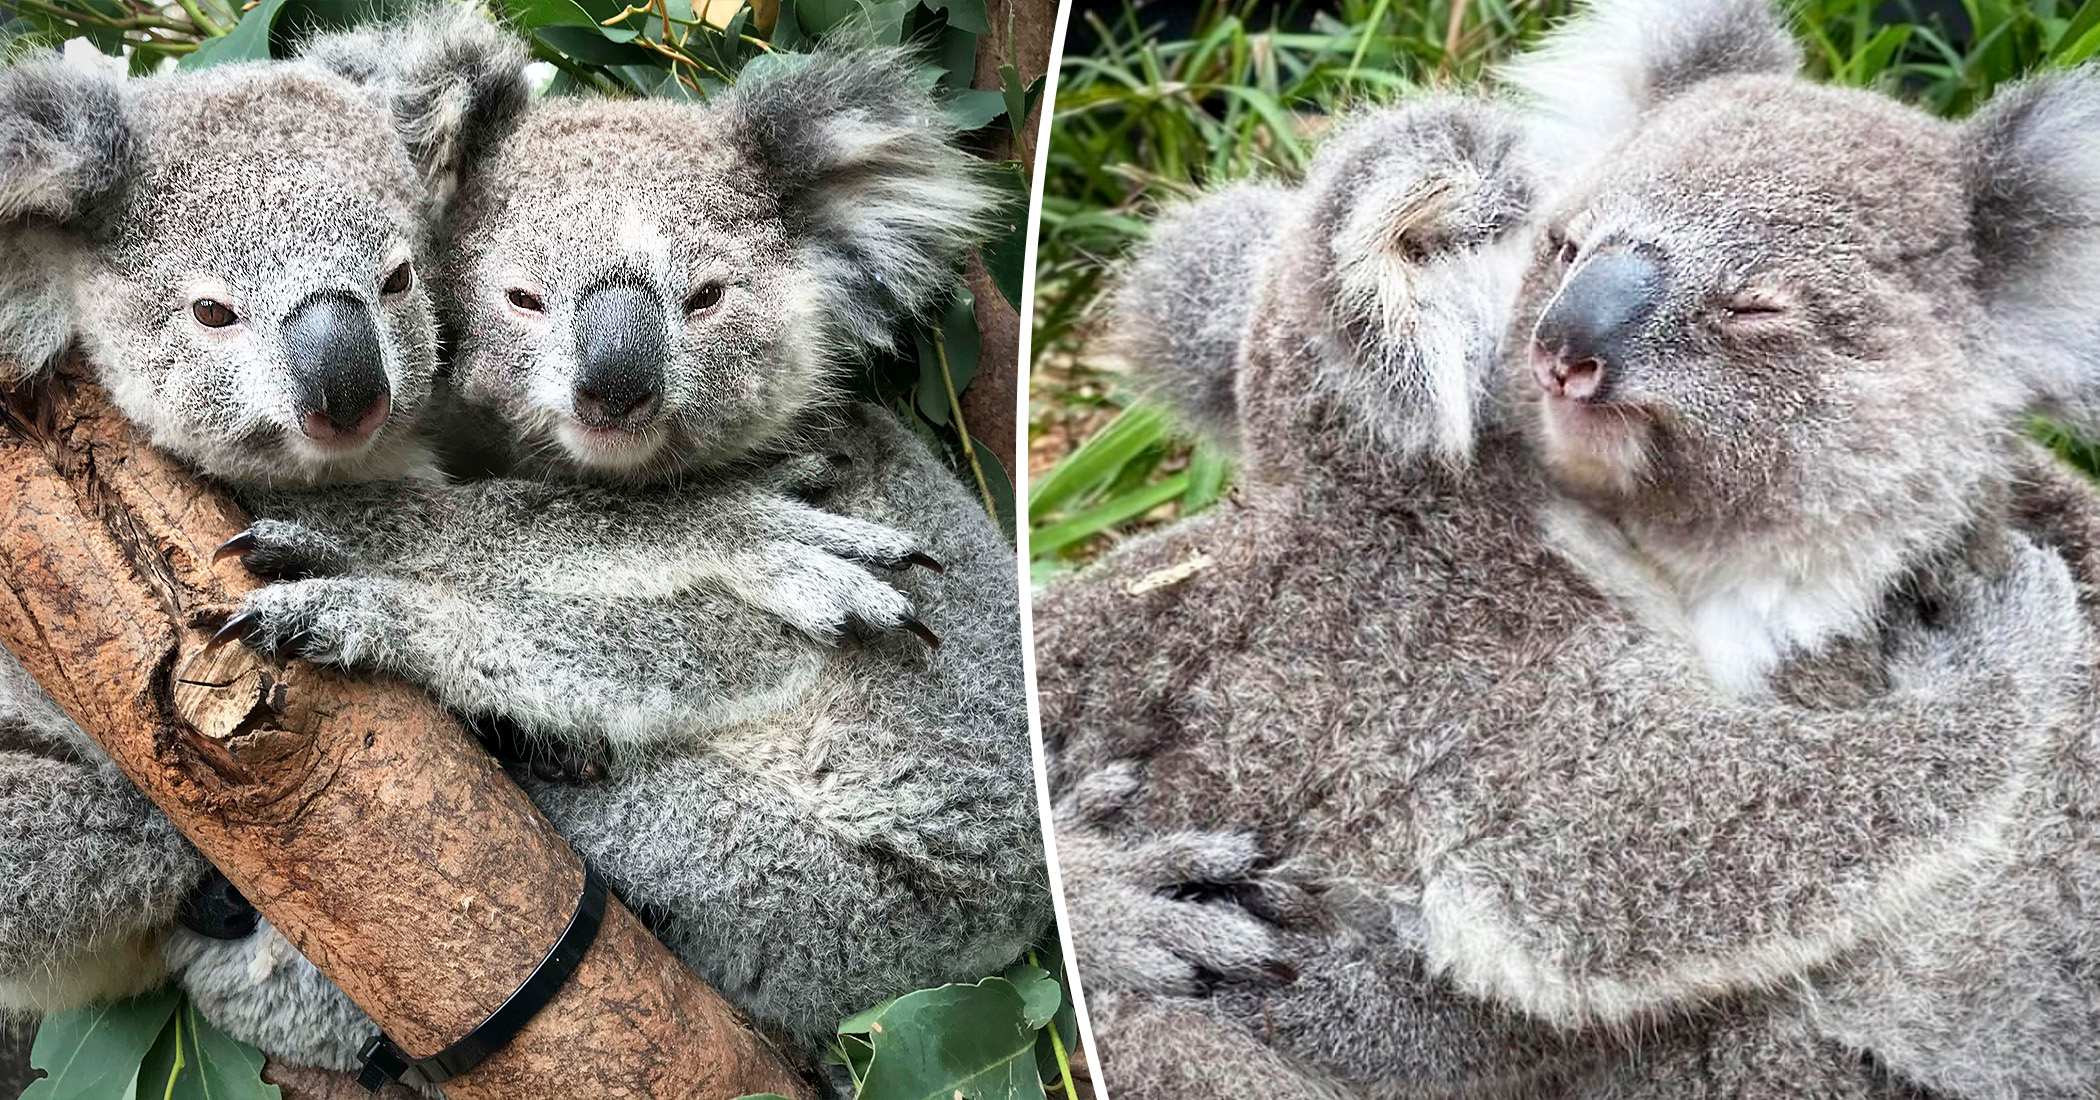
(262,991)
(93,869)
(803,904)
(1158,1047)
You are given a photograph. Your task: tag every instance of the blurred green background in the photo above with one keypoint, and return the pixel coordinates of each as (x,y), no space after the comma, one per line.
(1160,101)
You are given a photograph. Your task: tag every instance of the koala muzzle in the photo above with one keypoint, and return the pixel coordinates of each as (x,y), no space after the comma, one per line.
(1589,330)
(333,348)
(620,349)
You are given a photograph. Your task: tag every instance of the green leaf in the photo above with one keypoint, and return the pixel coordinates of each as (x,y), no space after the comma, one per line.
(1001,485)
(972,1041)
(961,340)
(195,1061)
(821,17)
(249,40)
(1020,98)
(591,45)
(787,28)
(1112,513)
(1040,993)
(534,14)
(965,15)
(859,1022)
(974,110)
(885,20)
(931,394)
(1006,254)
(302,19)
(90,1053)
(956,54)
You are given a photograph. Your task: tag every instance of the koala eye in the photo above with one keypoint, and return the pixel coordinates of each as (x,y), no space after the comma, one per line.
(525,300)
(398,280)
(704,299)
(212,313)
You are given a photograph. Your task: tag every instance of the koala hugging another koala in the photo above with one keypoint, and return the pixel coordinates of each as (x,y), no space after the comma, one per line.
(1642,657)
(757,649)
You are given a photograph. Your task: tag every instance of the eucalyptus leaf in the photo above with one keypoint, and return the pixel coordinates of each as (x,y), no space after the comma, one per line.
(534,14)
(931,393)
(787,28)
(958,1040)
(960,339)
(590,45)
(249,40)
(1001,485)
(1040,993)
(885,20)
(821,17)
(302,19)
(1006,254)
(207,1064)
(90,1053)
(974,110)
(965,15)
(955,51)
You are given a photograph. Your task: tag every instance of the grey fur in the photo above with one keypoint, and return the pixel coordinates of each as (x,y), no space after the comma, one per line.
(810,828)
(1529,794)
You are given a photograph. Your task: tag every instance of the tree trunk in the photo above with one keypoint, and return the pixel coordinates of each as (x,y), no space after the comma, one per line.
(355,814)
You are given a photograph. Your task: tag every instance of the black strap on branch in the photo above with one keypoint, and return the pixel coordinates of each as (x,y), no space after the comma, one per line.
(385,1061)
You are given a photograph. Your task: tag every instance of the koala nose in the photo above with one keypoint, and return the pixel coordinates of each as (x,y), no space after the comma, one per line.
(620,350)
(333,348)
(1589,330)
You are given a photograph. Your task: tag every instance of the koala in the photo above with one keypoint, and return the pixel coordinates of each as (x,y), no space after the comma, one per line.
(1557,782)
(236,253)
(656,301)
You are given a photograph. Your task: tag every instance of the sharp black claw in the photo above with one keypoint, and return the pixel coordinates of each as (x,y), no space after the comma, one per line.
(240,628)
(238,546)
(925,560)
(1282,971)
(918,628)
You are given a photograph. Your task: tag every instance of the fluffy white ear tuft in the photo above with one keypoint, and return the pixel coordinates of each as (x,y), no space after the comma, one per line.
(454,80)
(870,178)
(2034,185)
(65,147)
(1591,79)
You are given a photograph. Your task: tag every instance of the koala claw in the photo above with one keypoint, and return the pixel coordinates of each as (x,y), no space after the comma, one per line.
(925,561)
(239,546)
(919,629)
(241,627)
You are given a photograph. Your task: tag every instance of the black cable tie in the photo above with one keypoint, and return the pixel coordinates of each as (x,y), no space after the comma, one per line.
(385,1061)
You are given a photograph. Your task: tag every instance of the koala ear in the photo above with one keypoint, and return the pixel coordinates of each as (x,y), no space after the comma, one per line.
(455,81)
(2033,175)
(869,179)
(1184,301)
(65,146)
(1592,78)
(64,140)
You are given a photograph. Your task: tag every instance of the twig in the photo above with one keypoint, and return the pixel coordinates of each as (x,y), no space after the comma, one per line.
(204,22)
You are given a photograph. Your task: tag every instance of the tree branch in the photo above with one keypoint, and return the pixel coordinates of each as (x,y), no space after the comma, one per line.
(355,814)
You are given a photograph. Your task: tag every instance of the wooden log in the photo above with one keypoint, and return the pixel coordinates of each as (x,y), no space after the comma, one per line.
(355,814)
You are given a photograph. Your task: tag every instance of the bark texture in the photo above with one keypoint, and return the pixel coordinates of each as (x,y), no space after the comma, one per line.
(355,814)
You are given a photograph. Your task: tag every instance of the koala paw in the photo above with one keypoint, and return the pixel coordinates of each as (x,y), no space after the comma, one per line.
(1177,914)
(286,551)
(805,477)
(830,597)
(327,620)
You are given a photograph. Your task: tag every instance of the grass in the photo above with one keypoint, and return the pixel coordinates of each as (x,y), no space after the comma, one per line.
(1146,120)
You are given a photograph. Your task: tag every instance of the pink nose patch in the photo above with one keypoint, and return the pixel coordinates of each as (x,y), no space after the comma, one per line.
(1576,381)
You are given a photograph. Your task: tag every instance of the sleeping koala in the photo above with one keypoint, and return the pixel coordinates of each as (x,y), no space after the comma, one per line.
(1544,788)
(656,299)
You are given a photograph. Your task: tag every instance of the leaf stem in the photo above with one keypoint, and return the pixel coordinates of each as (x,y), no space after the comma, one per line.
(204,22)
(984,488)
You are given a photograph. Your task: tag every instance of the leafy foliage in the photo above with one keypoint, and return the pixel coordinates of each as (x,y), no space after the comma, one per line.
(152,1047)
(1146,120)
(678,49)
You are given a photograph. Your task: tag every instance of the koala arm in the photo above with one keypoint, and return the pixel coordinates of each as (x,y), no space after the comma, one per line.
(1648,844)
(577,612)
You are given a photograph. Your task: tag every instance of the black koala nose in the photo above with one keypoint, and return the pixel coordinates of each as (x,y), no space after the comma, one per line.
(620,348)
(333,348)
(1590,328)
